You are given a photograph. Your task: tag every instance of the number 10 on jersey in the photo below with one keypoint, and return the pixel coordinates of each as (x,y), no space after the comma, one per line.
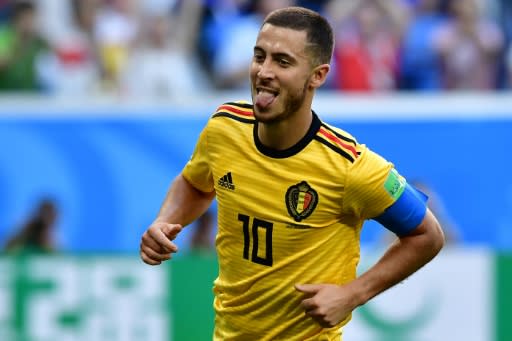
(251,234)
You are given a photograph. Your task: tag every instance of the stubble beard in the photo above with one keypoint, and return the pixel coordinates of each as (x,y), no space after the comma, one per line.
(291,106)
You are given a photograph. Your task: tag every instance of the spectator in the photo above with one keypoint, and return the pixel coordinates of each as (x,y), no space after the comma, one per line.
(420,65)
(53,18)
(216,17)
(115,31)
(163,64)
(37,233)
(469,46)
(21,50)
(77,64)
(368,36)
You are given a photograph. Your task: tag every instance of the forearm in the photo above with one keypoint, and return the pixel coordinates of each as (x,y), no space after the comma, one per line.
(404,257)
(183,203)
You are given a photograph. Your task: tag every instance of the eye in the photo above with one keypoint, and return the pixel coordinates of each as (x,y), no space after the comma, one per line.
(258,57)
(283,62)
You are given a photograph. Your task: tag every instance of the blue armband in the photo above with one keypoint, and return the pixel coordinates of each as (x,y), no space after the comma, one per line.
(406,213)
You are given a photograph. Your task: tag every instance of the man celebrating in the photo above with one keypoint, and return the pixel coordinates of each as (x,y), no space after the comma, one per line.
(293,193)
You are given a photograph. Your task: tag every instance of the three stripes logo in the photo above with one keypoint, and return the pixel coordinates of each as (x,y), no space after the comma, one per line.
(227,182)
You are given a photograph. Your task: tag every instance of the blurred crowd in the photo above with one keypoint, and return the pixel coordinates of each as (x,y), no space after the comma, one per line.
(165,48)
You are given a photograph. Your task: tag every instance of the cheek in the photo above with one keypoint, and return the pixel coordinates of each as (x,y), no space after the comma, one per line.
(253,71)
(296,84)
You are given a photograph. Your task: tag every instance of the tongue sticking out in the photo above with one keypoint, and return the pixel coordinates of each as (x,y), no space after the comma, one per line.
(264,99)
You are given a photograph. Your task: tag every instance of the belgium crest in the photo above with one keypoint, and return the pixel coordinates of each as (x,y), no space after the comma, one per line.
(301,199)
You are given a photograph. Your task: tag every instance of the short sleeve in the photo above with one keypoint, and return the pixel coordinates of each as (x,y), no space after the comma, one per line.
(372,185)
(197,171)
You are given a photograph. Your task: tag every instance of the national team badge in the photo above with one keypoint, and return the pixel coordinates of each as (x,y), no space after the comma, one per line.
(301,199)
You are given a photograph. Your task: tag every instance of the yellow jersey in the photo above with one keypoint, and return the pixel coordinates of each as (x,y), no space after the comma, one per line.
(284,217)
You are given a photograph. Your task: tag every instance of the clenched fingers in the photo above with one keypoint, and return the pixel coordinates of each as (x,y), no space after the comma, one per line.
(154,255)
(148,241)
(156,243)
(160,238)
(148,260)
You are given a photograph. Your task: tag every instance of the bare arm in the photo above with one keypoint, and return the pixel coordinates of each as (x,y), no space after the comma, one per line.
(404,257)
(182,205)
(329,304)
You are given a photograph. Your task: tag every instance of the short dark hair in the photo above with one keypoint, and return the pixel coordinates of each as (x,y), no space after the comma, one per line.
(320,36)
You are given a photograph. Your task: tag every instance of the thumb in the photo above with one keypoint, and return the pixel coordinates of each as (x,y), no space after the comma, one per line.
(171,230)
(308,288)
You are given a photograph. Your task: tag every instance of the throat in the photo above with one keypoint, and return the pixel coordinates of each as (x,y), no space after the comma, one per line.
(284,134)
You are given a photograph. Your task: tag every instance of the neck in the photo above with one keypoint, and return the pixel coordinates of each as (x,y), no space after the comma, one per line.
(286,133)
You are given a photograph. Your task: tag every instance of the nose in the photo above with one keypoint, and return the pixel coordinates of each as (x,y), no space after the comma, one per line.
(265,70)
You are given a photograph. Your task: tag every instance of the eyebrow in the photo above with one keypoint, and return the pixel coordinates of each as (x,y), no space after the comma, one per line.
(276,55)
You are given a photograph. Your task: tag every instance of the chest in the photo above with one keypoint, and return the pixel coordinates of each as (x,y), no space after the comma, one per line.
(306,188)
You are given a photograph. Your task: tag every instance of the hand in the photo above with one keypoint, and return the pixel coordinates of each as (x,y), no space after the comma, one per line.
(327,304)
(156,243)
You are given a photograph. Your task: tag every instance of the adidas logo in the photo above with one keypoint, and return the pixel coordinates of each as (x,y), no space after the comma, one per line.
(227,182)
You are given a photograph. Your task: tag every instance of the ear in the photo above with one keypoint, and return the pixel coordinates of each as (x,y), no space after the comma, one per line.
(319,75)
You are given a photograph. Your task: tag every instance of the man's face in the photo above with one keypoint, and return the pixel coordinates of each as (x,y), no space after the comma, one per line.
(280,73)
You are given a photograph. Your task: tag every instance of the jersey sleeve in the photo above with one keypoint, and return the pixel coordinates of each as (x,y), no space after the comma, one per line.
(372,185)
(198,171)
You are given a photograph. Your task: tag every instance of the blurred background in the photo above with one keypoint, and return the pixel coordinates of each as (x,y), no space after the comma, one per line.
(101,102)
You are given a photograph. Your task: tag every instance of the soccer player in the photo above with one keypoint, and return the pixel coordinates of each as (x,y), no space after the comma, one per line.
(292,194)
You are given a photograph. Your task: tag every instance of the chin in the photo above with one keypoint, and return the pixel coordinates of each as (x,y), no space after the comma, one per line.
(268,116)
(262,115)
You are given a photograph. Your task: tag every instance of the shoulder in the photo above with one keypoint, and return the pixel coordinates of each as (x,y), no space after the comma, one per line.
(230,119)
(239,111)
(339,141)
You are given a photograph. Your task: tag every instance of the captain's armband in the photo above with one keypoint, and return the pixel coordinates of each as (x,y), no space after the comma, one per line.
(406,213)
